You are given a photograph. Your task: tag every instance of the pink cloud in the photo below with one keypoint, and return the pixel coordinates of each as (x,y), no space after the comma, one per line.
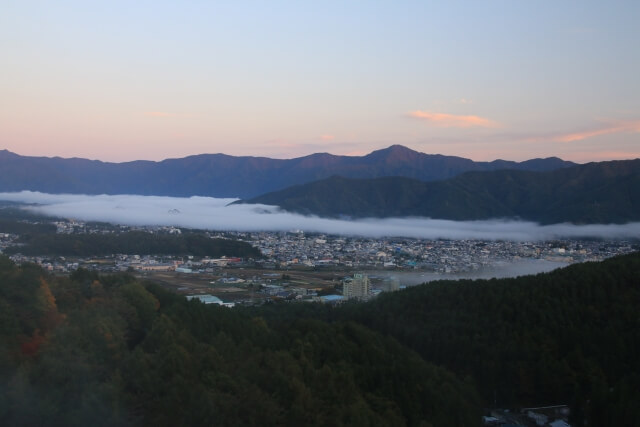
(159,114)
(282,143)
(327,137)
(610,128)
(453,120)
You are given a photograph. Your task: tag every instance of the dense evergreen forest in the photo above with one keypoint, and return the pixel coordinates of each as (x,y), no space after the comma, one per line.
(110,350)
(571,336)
(90,350)
(37,236)
(132,242)
(12,226)
(12,221)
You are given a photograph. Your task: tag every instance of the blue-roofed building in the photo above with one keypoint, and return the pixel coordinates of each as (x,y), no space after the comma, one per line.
(332,299)
(210,299)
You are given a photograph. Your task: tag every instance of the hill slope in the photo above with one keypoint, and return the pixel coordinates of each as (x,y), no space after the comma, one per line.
(219,175)
(111,351)
(570,336)
(593,193)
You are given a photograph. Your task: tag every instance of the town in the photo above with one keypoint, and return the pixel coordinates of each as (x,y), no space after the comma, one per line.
(299,266)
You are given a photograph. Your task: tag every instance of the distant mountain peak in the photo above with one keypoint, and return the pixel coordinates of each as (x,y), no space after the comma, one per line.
(395,152)
(396,149)
(400,148)
(7,153)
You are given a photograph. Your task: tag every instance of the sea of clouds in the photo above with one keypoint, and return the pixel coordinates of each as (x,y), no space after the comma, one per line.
(217,214)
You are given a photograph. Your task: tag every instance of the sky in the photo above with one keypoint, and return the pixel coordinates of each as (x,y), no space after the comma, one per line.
(216,214)
(121,80)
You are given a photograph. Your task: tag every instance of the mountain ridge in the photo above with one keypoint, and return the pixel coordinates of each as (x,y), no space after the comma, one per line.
(593,193)
(222,175)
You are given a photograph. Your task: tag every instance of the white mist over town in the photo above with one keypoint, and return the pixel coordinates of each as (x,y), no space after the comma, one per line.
(217,214)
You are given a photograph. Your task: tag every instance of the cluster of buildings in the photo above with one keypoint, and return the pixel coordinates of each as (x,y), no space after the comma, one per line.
(359,287)
(299,250)
(210,299)
(272,287)
(134,263)
(6,240)
(544,416)
(72,226)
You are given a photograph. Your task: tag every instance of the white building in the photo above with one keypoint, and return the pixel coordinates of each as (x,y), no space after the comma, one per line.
(210,299)
(357,286)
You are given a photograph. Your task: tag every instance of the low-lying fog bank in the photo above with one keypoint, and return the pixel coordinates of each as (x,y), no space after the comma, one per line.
(216,214)
(506,269)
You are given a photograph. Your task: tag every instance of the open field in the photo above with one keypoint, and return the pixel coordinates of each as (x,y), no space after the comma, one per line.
(249,282)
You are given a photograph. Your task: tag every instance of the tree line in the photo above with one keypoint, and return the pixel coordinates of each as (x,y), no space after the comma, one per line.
(571,336)
(111,350)
(131,242)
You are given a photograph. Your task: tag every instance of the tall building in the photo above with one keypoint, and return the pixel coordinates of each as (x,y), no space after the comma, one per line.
(356,287)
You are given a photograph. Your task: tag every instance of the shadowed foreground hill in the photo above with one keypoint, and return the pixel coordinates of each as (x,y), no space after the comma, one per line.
(109,351)
(606,192)
(571,336)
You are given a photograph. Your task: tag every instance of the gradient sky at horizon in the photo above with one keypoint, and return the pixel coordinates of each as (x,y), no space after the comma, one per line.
(515,80)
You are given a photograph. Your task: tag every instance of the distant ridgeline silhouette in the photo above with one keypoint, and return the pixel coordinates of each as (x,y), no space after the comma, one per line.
(220,175)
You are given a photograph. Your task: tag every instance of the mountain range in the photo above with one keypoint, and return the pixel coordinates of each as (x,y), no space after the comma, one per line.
(593,193)
(220,175)
(392,182)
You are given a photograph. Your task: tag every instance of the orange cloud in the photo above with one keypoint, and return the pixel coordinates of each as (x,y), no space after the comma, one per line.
(614,127)
(453,120)
(327,137)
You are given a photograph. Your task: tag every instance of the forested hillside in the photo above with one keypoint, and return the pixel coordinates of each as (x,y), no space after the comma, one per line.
(90,350)
(605,192)
(570,337)
(109,350)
